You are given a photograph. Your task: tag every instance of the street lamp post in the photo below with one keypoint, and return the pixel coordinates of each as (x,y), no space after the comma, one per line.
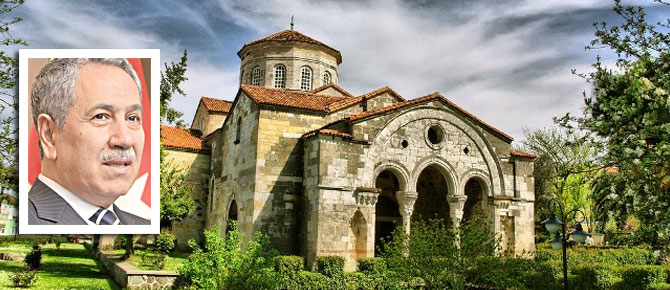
(553,225)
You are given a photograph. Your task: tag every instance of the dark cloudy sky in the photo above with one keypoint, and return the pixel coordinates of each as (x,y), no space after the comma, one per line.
(508,62)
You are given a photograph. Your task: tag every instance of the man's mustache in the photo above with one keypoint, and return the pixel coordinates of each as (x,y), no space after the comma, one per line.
(119,154)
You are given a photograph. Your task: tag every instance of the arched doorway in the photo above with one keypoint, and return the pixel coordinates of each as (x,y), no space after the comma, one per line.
(476,199)
(387,214)
(232,215)
(432,192)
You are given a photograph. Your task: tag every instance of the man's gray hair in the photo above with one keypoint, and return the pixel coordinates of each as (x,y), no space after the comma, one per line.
(53,89)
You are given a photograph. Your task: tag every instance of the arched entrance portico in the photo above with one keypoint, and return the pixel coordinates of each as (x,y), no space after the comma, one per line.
(431,202)
(477,199)
(387,213)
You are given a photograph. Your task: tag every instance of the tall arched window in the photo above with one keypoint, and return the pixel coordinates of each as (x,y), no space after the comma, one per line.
(256,76)
(241,76)
(305,78)
(239,130)
(326,78)
(280,76)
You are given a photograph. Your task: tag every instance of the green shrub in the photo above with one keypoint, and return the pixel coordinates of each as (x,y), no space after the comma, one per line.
(289,265)
(642,276)
(25,278)
(659,286)
(500,273)
(224,265)
(545,275)
(330,266)
(594,276)
(205,268)
(311,281)
(591,255)
(34,258)
(372,266)
(165,241)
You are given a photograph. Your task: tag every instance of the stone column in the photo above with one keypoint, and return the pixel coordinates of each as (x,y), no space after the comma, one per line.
(406,201)
(456,204)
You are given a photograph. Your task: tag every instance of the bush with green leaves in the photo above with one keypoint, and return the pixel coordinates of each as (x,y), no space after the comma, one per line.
(439,254)
(165,241)
(641,276)
(289,265)
(372,266)
(24,279)
(34,259)
(590,255)
(595,276)
(330,266)
(225,264)
(502,272)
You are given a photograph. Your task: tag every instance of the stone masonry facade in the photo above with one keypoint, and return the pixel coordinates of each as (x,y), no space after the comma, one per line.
(323,172)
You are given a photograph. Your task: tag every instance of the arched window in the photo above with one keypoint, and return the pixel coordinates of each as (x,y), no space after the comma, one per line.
(280,76)
(326,78)
(256,76)
(239,130)
(241,76)
(305,78)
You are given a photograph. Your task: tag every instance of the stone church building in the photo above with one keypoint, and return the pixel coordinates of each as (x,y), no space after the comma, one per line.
(325,172)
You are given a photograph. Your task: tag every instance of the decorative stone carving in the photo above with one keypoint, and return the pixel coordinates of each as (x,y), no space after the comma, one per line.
(366,197)
(456,204)
(406,201)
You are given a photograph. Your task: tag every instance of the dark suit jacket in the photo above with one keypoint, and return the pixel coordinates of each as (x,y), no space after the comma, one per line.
(46,207)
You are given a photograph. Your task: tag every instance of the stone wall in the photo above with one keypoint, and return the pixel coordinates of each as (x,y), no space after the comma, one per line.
(207,122)
(129,277)
(381,101)
(197,170)
(279,174)
(234,176)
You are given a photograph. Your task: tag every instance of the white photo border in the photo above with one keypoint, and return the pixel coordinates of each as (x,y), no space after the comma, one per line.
(24,99)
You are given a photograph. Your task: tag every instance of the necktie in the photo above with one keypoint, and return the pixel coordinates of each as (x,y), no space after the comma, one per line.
(104,217)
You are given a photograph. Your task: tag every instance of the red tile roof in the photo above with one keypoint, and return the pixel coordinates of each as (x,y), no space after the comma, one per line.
(292,35)
(355,100)
(329,132)
(292,99)
(216,105)
(517,153)
(380,91)
(431,97)
(178,138)
(335,87)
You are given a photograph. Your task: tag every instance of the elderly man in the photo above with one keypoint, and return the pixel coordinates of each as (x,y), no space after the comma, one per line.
(88,117)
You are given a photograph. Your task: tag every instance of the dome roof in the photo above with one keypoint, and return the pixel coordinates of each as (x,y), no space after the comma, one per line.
(292,36)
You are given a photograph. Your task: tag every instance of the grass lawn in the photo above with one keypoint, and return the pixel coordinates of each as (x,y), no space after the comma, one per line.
(173,262)
(70,267)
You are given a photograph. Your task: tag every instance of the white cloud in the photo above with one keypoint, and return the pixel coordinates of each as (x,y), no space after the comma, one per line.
(204,79)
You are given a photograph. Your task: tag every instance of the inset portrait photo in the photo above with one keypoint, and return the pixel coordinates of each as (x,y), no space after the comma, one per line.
(89,141)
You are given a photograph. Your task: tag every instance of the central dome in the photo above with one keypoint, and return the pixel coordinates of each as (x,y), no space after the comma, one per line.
(288,59)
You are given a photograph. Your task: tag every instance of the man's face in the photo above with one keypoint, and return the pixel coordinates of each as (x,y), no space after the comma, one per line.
(101,130)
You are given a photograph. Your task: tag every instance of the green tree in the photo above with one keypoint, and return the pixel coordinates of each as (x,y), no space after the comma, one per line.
(628,109)
(9,179)
(176,200)
(171,78)
(564,168)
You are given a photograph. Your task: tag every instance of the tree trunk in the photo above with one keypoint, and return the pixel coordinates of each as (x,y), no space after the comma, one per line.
(129,246)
